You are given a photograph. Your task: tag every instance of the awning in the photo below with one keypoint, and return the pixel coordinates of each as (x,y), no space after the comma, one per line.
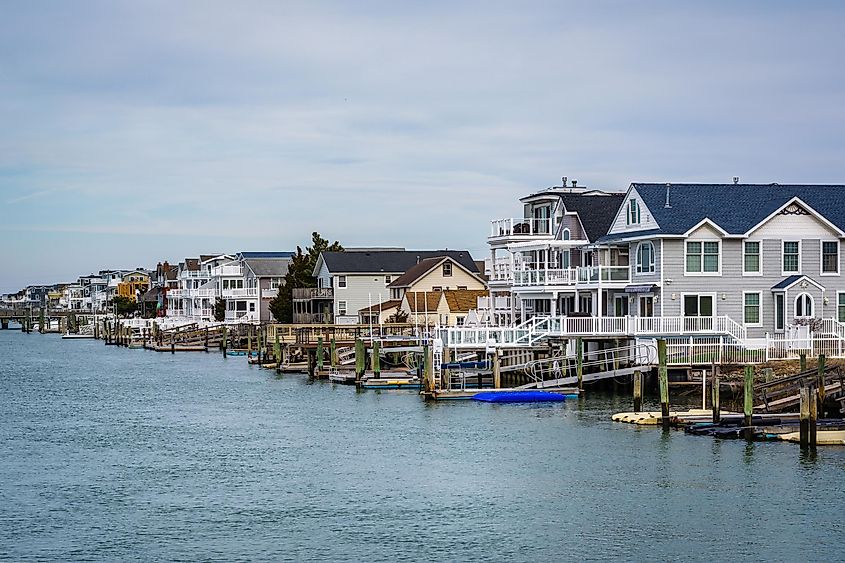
(640,288)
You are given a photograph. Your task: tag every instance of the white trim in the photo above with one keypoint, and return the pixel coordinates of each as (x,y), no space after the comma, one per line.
(836,307)
(759,271)
(759,295)
(785,272)
(702,273)
(699,294)
(803,277)
(652,264)
(821,258)
(795,306)
(775,311)
(345,281)
(799,201)
(706,221)
(345,308)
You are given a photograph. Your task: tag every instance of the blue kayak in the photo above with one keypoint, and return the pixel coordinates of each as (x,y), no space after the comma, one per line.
(518,397)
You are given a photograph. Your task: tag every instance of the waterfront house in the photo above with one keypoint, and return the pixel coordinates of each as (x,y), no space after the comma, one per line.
(250,282)
(379,313)
(357,278)
(443,308)
(438,273)
(197,292)
(767,256)
(540,263)
(133,284)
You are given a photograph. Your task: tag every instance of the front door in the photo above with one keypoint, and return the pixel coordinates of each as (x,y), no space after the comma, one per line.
(698,312)
(646,306)
(620,306)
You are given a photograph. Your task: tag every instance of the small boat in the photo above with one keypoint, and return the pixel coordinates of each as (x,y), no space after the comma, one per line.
(69,336)
(343,378)
(392,381)
(529,396)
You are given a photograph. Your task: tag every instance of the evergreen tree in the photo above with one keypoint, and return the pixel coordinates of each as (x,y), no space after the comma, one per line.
(300,274)
(219,310)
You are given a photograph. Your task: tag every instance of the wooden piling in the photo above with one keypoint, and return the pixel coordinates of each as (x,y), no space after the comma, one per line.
(428,372)
(663,379)
(277,351)
(225,340)
(579,361)
(813,393)
(320,354)
(748,400)
(360,359)
(333,352)
(768,374)
(802,361)
(820,384)
(638,391)
(311,355)
(804,420)
(376,360)
(714,396)
(249,346)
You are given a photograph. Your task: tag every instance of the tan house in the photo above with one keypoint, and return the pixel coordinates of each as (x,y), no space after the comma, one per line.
(379,313)
(439,273)
(444,308)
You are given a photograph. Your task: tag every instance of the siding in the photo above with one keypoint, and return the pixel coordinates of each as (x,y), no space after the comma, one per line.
(646,219)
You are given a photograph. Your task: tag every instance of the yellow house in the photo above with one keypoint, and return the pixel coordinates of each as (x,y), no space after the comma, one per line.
(440,308)
(132,283)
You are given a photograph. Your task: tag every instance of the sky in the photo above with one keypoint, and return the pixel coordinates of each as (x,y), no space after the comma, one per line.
(136,132)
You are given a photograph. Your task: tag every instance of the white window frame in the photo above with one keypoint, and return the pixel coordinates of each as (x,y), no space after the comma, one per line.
(445,266)
(780,322)
(387,280)
(702,272)
(342,308)
(795,306)
(699,294)
(632,212)
(782,254)
(759,295)
(566,234)
(341,282)
(651,265)
(821,258)
(759,271)
(840,302)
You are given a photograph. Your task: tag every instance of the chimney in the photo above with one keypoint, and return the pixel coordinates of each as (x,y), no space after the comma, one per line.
(667,205)
(574,183)
(736,180)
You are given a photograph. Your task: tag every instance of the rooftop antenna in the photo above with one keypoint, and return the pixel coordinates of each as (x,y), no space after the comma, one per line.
(667,205)
(736,180)
(564,180)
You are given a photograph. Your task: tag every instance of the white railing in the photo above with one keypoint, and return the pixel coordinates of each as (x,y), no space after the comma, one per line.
(269,293)
(604,274)
(231,271)
(194,274)
(240,292)
(174,293)
(203,293)
(501,228)
(499,303)
(501,271)
(243,316)
(545,277)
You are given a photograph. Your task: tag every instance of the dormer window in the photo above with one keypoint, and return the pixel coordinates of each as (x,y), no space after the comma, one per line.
(633,212)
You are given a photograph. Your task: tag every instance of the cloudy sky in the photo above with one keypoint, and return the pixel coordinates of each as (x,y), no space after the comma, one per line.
(138,131)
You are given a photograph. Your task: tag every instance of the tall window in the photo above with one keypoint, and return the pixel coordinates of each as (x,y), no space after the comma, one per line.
(566,234)
(751,260)
(804,305)
(830,257)
(387,280)
(703,257)
(447,269)
(341,281)
(341,308)
(840,307)
(791,253)
(645,258)
(633,212)
(751,314)
(780,312)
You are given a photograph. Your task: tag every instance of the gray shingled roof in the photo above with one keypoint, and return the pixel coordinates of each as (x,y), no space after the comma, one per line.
(735,207)
(596,212)
(268,266)
(389,262)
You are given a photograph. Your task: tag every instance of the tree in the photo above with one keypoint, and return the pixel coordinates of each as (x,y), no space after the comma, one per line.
(219,310)
(123,305)
(399,317)
(300,274)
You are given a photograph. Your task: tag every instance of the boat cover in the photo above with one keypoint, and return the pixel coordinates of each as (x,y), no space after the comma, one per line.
(518,397)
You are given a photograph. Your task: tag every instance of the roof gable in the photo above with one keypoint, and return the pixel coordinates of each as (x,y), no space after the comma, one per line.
(596,210)
(387,261)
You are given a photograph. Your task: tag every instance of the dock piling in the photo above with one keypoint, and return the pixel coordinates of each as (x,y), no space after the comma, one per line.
(748,401)
(820,384)
(663,379)
(638,391)
(320,354)
(714,395)
(802,361)
(579,361)
(225,340)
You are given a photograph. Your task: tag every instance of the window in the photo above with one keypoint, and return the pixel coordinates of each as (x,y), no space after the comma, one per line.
(566,234)
(387,280)
(565,259)
(275,283)
(830,257)
(780,312)
(447,269)
(436,288)
(803,306)
(645,258)
(703,257)
(840,307)
(698,305)
(751,314)
(252,307)
(633,213)
(751,257)
(791,253)
(459,321)
(341,282)
(341,308)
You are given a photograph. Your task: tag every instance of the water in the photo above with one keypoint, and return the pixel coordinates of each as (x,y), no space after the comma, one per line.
(116,454)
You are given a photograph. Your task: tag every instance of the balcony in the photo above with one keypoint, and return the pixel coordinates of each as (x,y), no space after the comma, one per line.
(241,316)
(312,318)
(194,274)
(499,304)
(240,293)
(175,293)
(270,293)
(520,228)
(203,293)
(532,278)
(228,271)
(593,275)
(309,293)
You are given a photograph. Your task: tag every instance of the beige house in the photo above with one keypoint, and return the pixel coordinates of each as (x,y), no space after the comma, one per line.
(380,313)
(440,308)
(439,273)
